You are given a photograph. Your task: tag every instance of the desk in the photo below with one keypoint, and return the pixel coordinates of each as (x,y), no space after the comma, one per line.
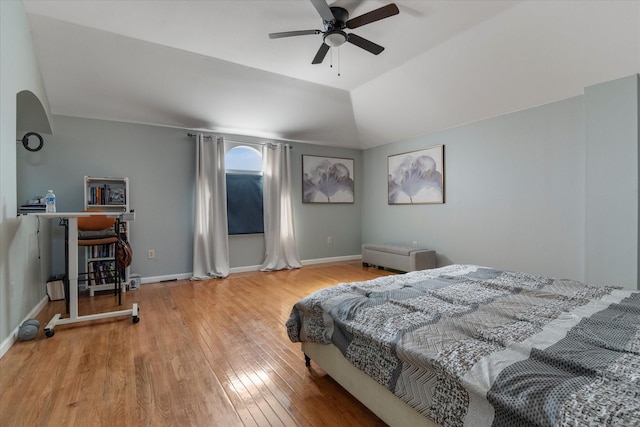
(72,271)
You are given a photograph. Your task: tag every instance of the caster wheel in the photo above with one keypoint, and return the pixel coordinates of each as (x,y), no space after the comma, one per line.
(135,319)
(49,333)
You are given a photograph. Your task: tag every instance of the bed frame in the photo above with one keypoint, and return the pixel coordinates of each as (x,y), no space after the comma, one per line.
(378,399)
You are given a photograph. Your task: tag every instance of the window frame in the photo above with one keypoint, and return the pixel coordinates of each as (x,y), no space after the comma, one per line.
(230,145)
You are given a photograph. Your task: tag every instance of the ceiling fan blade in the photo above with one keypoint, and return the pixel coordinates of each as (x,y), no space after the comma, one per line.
(373,16)
(323,9)
(322,52)
(365,44)
(293,33)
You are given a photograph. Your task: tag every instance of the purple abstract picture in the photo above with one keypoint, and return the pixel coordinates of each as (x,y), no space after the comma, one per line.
(417,177)
(327,180)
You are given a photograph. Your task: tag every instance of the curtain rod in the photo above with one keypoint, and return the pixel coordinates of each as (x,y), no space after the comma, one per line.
(260,144)
(204,136)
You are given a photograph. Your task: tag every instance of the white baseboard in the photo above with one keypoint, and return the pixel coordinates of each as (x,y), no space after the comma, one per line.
(304,262)
(8,342)
(244,269)
(168,278)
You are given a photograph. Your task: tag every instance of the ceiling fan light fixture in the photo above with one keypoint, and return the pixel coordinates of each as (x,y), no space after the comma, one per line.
(335,38)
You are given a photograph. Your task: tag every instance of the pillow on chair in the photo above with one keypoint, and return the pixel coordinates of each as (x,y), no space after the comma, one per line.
(110,232)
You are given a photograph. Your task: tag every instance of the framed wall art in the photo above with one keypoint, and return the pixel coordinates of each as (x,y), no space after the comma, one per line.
(416,177)
(327,180)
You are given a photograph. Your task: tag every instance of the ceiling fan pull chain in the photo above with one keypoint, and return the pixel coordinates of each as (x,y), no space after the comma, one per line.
(338,54)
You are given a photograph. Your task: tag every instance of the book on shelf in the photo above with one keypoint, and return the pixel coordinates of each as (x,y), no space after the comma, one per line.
(102,251)
(102,272)
(91,279)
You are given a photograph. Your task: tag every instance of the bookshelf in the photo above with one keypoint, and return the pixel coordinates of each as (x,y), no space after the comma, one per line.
(110,195)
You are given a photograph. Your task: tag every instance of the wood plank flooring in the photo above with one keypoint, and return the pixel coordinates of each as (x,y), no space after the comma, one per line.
(207,353)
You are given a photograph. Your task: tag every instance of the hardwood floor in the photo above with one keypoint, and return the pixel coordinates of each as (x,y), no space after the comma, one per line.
(208,353)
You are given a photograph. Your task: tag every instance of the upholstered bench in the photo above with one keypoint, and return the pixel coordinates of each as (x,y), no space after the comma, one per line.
(401,258)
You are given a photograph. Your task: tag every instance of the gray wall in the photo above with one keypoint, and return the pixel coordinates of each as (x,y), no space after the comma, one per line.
(612,182)
(519,191)
(156,160)
(549,190)
(159,162)
(514,196)
(21,276)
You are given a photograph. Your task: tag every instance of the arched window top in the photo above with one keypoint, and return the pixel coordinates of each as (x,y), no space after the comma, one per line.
(242,158)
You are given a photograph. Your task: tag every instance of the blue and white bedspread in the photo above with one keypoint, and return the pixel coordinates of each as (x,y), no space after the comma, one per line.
(475,346)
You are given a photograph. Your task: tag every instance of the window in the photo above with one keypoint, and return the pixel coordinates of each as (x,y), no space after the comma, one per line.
(243,166)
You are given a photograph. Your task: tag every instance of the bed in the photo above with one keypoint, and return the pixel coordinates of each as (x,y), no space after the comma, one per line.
(477,346)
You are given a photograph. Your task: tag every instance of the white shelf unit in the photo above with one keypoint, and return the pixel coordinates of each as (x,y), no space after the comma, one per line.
(110,195)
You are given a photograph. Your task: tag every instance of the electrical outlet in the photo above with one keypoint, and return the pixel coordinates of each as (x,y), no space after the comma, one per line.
(329,240)
(415,244)
(151,254)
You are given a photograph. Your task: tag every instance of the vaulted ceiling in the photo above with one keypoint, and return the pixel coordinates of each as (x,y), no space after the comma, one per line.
(210,64)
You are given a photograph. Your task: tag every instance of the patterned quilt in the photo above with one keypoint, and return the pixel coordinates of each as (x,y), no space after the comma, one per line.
(475,346)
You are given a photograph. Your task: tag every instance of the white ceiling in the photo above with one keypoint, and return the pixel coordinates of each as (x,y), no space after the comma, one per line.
(210,64)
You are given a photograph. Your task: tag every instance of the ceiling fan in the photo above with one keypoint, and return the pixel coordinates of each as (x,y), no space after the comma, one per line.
(335,20)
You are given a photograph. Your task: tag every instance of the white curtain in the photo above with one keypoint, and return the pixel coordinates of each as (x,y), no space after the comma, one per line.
(210,239)
(280,239)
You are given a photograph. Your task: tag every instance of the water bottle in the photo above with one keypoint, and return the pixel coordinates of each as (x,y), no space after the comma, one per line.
(50,202)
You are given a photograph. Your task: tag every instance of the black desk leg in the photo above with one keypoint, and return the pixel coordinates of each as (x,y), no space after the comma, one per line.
(65,223)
